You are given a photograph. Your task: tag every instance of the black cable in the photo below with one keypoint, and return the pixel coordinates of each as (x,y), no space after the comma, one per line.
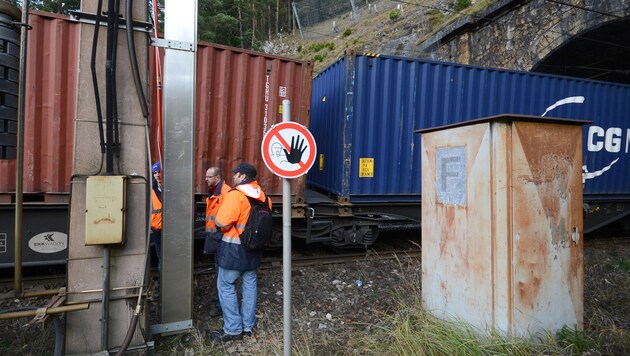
(17,309)
(115,118)
(589,10)
(131,46)
(562,33)
(60,323)
(97,96)
(109,99)
(496,20)
(442,9)
(110,104)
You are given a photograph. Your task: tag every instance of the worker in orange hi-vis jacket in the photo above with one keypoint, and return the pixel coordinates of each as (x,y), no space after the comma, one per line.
(233,260)
(156,219)
(217,189)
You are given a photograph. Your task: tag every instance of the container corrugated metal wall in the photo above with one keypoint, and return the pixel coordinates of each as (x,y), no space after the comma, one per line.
(239,97)
(50,108)
(375,104)
(239,94)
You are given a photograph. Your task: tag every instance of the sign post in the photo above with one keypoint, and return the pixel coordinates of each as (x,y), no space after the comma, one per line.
(288,150)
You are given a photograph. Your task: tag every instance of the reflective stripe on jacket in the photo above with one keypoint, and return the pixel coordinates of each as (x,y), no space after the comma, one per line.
(212,205)
(156,211)
(231,219)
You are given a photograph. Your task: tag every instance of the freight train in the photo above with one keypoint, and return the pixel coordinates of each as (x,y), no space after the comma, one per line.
(366,107)
(239,97)
(362,110)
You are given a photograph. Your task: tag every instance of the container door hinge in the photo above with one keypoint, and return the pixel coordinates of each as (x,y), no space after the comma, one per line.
(575,235)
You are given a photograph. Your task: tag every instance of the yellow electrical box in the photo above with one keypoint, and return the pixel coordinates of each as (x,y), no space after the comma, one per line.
(105,210)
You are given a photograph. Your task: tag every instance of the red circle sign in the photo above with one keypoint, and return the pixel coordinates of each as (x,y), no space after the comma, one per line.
(288,149)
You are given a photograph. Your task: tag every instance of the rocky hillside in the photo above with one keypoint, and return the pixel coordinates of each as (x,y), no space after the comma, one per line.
(385,27)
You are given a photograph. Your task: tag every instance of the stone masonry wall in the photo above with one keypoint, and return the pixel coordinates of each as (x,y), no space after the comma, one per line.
(518,34)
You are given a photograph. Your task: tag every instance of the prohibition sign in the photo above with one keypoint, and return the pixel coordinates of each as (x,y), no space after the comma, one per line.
(288,149)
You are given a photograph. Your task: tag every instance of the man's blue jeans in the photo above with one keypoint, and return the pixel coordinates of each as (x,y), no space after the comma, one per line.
(235,322)
(156,241)
(217,302)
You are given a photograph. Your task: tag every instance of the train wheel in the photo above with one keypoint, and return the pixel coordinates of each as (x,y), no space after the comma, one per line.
(354,236)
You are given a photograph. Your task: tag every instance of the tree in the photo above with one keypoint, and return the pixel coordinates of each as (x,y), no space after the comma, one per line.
(56,6)
(239,23)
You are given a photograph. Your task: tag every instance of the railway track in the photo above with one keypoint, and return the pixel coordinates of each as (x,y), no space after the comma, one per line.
(607,242)
(403,246)
(302,255)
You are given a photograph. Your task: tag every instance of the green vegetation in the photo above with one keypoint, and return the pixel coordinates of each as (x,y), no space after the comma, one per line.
(319,57)
(346,33)
(242,23)
(56,6)
(576,340)
(317,51)
(405,328)
(318,46)
(410,330)
(395,14)
(461,5)
(435,17)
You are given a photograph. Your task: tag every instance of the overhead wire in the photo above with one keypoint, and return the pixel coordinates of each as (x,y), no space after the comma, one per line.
(499,20)
(496,20)
(601,58)
(588,10)
(564,33)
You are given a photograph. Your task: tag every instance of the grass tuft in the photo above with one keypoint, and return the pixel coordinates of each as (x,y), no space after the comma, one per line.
(411,330)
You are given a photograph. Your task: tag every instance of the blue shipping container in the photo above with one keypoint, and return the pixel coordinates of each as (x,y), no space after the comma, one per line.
(365,109)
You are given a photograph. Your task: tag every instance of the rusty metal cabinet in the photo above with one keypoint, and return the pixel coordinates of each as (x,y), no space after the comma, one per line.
(502,223)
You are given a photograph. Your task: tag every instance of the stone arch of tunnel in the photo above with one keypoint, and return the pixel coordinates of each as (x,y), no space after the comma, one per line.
(599,53)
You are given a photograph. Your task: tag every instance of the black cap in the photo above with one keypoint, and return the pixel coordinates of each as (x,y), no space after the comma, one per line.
(247,169)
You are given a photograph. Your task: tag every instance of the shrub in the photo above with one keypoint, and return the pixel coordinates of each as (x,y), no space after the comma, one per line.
(316,47)
(394,14)
(346,33)
(319,57)
(435,17)
(575,339)
(461,5)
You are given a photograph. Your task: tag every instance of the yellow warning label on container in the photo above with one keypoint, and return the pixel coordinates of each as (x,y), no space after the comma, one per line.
(366,167)
(321,162)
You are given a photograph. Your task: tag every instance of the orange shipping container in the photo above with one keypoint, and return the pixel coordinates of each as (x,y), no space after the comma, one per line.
(239,97)
(49,111)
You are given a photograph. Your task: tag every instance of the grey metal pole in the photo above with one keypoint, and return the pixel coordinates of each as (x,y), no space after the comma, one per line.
(107,253)
(297,19)
(286,246)
(178,90)
(19,164)
(355,11)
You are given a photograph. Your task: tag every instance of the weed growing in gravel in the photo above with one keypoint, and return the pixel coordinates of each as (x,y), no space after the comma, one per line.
(413,331)
(33,340)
